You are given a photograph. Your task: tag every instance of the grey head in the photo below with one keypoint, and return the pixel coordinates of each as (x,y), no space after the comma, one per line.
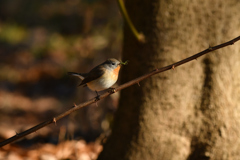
(111,63)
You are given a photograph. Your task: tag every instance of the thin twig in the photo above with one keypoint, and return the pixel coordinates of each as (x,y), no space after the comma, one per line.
(125,85)
(140,36)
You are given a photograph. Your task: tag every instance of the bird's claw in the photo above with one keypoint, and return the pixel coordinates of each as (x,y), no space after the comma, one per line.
(111,90)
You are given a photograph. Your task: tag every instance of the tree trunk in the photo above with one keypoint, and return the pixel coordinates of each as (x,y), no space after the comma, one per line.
(192,112)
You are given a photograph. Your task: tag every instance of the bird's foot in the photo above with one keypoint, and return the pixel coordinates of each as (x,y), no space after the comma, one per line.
(111,90)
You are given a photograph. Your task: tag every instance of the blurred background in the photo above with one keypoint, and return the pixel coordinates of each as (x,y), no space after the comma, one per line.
(40,41)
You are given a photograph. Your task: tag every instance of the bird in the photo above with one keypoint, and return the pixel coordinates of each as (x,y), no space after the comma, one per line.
(101,77)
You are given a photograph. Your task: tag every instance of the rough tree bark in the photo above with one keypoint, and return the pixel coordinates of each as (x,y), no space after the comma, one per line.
(192,112)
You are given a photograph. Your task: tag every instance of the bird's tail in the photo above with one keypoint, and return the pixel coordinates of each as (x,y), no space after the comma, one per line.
(79,75)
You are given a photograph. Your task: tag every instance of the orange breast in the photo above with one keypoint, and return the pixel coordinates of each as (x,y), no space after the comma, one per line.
(115,73)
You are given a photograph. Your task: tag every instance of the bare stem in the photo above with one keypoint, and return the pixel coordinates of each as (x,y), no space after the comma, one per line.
(125,85)
(140,36)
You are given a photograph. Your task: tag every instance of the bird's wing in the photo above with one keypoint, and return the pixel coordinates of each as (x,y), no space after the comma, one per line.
(95,73)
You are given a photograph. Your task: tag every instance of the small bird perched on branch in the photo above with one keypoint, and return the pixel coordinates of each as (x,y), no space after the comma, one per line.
(102,76)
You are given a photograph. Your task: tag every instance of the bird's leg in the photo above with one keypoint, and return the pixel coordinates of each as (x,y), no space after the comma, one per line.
(98,96)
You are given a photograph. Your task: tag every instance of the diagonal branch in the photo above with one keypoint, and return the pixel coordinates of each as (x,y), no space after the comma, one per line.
(125,85)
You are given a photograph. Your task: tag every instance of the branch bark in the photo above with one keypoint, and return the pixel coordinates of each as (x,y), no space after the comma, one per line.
(125,85)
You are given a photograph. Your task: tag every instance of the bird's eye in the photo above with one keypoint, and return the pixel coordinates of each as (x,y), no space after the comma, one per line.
(113,63)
